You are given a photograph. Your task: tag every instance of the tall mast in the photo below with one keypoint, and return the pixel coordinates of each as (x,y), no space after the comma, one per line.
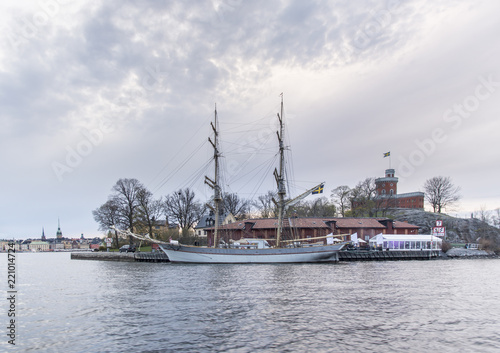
(280,177)
(214,184)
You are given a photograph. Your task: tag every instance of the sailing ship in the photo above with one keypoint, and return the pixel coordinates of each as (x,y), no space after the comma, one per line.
(283,251)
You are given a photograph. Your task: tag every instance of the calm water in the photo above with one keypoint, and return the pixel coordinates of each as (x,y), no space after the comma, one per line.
(69,305)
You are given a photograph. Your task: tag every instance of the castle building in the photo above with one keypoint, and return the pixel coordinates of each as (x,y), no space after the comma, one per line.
(388,197)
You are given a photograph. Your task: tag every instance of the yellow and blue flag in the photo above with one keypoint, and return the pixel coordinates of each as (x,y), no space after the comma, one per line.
(319,189)
(387,154)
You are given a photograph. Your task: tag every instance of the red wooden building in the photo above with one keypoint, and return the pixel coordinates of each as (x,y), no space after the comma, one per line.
(305,228)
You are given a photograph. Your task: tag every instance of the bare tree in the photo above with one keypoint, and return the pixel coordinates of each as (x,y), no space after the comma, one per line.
(363,198)
(484,215)
(441,193)
(108,215)
(319,207)
(265,205)
(149,210)
(126,195)
(496,218)
(181,207)
(340,196)
(239,208)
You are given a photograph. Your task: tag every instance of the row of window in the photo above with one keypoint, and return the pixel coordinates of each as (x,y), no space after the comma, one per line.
(409,245)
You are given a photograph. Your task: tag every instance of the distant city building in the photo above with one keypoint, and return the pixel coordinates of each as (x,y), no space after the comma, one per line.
(39,246)
(388,197)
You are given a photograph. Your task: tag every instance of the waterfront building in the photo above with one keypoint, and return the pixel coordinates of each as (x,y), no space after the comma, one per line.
(85,246)
(208,221)
(4,245)
(55,244)
(313,228)
(38,245)
(414,242)
(25,245)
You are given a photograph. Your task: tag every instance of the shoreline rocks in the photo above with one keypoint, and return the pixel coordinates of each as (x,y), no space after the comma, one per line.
(469,253)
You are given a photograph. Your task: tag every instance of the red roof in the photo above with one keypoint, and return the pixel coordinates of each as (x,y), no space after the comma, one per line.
(272,223)
(398,224)
(358,223)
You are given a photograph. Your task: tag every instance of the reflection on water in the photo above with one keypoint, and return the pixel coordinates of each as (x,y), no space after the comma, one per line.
(80,306)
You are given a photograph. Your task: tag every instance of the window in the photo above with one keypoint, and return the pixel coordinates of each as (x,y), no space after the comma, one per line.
(392,192)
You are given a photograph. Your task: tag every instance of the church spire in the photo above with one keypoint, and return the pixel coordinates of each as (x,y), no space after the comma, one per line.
(43,235)
(59,233)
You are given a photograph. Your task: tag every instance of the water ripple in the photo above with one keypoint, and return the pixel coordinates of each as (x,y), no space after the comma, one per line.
(417,306)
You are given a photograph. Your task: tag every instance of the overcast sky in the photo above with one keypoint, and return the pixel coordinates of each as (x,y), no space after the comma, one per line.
(95,91)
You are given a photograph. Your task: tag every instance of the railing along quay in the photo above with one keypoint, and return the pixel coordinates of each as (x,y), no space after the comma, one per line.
(377,255)
(117,256)
(151,257)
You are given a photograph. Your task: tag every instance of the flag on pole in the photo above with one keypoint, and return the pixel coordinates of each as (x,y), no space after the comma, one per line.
(319,189)
(387,154)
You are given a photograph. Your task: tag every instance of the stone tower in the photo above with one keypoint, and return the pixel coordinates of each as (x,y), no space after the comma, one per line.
(387,186)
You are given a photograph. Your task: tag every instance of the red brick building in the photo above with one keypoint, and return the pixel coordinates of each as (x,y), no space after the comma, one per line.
(306,228)
(388,197)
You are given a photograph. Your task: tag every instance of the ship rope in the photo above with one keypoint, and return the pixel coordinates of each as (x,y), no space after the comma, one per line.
(128,233)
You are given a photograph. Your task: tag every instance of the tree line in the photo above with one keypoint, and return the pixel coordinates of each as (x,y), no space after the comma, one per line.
(362,200)
(132,206)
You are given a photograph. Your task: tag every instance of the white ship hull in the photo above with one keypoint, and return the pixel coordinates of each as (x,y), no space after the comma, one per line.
(191,254)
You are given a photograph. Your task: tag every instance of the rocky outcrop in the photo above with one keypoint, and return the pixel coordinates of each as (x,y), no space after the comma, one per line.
(468,230)
(461,252)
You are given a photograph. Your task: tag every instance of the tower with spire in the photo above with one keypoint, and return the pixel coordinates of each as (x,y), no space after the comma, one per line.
(43,235)
(59,233)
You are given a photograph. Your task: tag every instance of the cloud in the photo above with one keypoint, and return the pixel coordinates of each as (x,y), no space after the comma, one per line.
(141,79)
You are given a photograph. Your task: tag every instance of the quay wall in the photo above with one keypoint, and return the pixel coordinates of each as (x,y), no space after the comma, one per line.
(117,256)
(347,255)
